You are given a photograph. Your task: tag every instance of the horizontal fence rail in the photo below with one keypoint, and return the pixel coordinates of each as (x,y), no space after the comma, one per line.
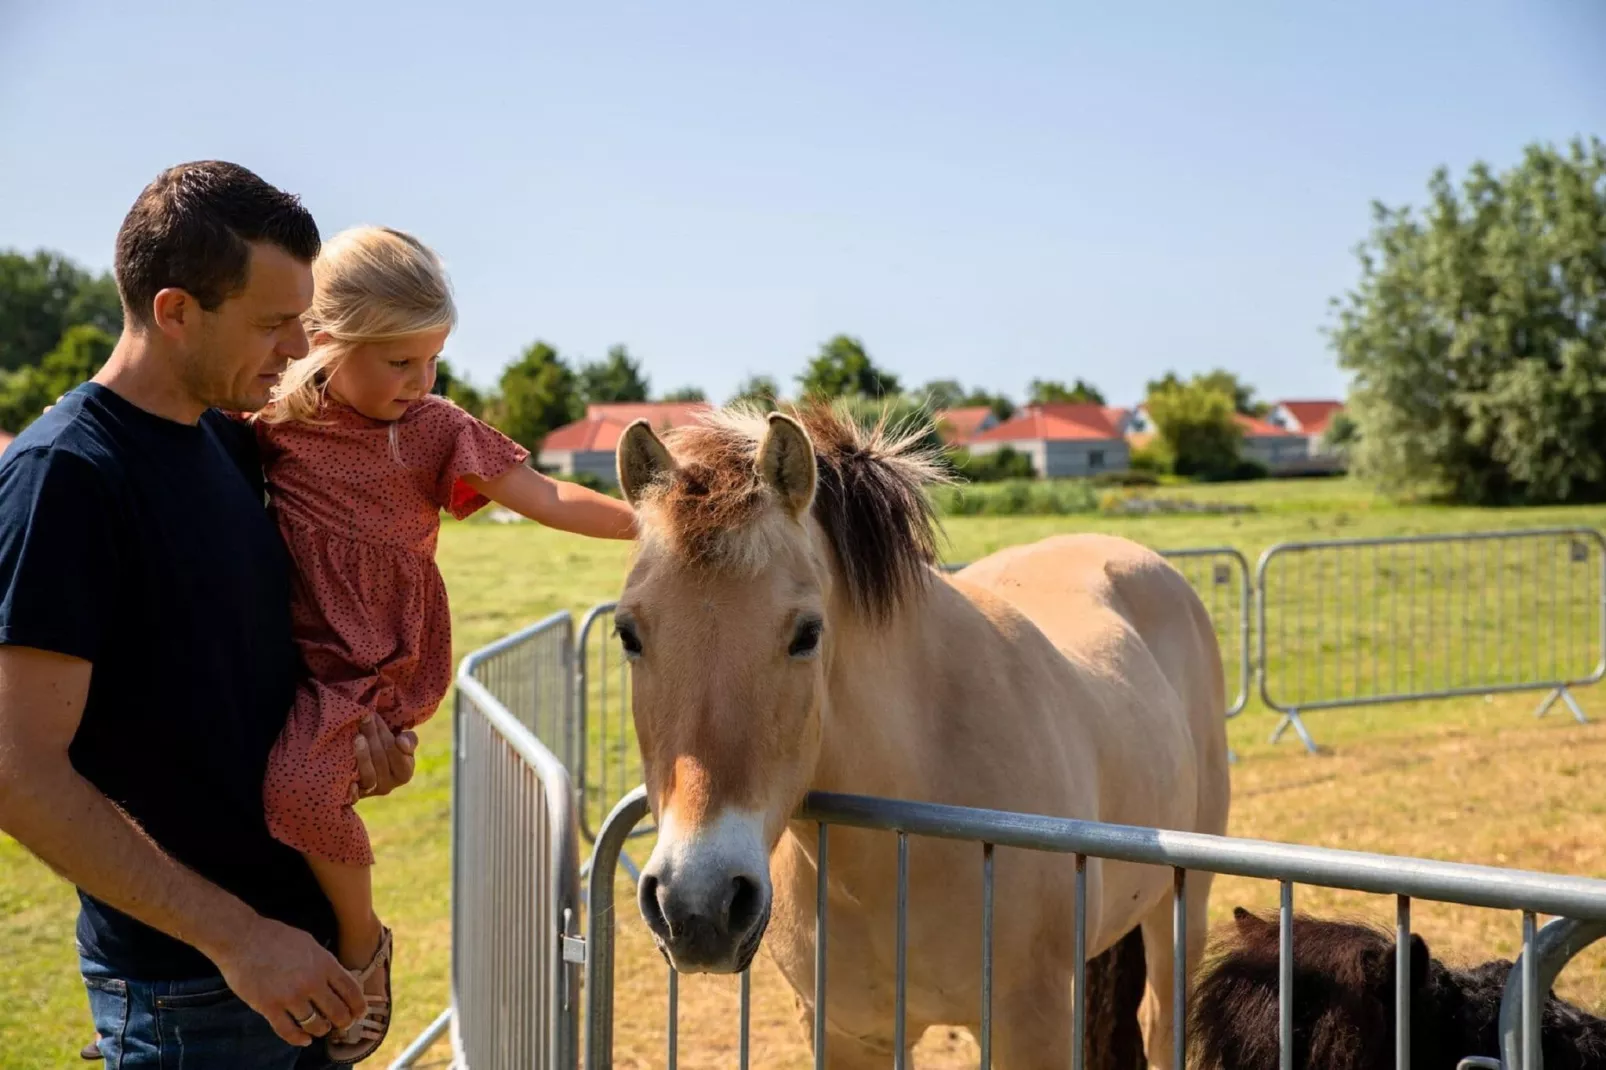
(1581,902)
(515,861)
(1356,622)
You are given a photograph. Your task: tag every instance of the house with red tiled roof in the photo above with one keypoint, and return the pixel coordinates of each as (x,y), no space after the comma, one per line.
(589,445)
(1280,450)
(958,426)
(1063,439)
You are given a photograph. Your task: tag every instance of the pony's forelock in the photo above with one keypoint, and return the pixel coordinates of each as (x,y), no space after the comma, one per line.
(714,511)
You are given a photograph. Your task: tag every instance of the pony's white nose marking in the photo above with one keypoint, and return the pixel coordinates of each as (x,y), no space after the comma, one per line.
(705,892)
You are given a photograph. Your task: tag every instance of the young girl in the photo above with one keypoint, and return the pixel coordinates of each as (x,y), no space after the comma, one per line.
(361,459)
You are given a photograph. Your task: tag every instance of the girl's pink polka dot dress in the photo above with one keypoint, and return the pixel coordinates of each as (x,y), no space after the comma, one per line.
(358,502)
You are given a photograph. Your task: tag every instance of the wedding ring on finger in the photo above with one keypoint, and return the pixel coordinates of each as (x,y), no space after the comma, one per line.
(302,1023)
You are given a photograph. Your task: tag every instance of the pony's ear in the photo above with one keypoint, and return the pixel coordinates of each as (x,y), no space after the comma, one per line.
(1247,923)
(1421,961)
(641,458)
(786,463)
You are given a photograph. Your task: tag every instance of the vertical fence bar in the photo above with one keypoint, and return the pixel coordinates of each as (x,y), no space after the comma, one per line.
(1285,977)
(819,951)
(1079,966)
(986,1042)
(674,1018)
(899,1042)
(1179,966)
(1402,982)
(744,1042)
(1530,993)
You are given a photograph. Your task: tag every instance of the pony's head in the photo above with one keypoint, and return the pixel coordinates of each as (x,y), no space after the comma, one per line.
(767,543)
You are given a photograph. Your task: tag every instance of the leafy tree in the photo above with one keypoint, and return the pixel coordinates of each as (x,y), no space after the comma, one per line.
(1046,391)
(1002,406)
(1476,336)
(759,390)
(1006,462)
(942,394)
(1341,435)
(685,394)
(539,393)
(1241,393)
(41,296)
(617,378)
(843,369)
(25,392)
(449,384)
(1196,428)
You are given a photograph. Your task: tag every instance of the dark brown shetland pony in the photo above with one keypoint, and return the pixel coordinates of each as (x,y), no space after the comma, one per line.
(1344,1004)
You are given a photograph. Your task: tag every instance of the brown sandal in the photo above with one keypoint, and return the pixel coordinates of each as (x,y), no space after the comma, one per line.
(366,1034)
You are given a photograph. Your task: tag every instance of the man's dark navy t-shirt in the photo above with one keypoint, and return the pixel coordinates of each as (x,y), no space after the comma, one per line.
(143,546)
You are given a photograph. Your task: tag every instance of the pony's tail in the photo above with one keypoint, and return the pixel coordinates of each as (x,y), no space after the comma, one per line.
(1115,983)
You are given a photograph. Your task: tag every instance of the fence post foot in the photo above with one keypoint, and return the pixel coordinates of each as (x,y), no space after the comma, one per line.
(1291,719)
(1565,694)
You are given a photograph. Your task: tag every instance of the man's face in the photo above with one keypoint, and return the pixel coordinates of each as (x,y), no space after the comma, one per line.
(239,350)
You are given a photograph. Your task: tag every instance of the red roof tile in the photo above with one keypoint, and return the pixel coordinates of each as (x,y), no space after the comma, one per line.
(1313,416)
(958,425)
(1253,425)
(604,423)
(1060,422)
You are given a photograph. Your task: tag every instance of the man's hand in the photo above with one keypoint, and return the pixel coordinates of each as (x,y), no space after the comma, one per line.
(285,975)
(384,761)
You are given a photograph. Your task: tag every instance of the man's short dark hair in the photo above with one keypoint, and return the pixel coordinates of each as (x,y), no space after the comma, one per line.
(191,229)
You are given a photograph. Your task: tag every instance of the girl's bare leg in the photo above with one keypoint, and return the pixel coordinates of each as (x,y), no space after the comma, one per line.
(350,892)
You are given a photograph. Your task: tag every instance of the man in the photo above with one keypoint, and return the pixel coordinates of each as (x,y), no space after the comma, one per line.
(146,659)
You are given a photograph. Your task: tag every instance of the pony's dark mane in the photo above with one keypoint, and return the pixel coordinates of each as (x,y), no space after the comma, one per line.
(1344,976)
(869,499)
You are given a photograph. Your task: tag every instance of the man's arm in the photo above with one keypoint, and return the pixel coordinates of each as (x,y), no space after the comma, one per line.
(279,971)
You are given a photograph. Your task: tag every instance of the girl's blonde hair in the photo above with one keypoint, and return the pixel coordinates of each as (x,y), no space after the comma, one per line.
(370,284)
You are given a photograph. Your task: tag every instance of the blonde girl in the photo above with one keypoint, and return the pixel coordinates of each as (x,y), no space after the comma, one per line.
(361,459)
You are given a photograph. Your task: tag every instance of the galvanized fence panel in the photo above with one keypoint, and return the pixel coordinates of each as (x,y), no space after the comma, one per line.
(515,992)
(1354,622)
(1579,903)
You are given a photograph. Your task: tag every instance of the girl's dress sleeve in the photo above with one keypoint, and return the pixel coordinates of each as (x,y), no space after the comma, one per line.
(466,446)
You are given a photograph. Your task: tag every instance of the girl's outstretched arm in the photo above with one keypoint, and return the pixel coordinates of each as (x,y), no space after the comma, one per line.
(558,503)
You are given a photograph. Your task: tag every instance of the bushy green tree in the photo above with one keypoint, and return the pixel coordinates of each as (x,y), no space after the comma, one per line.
(758,390)
(618,378)
(539,393)
(1476,336)
(1047,391)
(1195,425)
(43,295)
(842,369)
(449,383)
(25,392)
(685,394)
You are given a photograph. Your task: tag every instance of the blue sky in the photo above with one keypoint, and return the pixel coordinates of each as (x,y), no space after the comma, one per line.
(982,191)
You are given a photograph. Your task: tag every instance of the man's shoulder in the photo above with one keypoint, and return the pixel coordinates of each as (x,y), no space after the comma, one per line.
(67,442)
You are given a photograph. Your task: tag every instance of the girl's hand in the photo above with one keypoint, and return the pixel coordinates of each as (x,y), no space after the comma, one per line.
(384,760)
(558,504)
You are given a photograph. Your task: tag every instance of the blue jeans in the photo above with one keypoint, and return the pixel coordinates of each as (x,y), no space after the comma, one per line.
(185,1025)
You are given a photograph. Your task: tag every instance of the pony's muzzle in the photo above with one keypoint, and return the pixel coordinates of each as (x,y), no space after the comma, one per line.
(706,926)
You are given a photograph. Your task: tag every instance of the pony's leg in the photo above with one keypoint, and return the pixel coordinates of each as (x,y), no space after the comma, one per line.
(1158,1012)
(1032,1026)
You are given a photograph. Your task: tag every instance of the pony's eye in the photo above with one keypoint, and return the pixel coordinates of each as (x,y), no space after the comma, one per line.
(628,639)
(806,640)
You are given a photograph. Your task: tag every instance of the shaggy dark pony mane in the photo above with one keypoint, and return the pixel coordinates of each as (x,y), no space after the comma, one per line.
(869,499)
(1344,975)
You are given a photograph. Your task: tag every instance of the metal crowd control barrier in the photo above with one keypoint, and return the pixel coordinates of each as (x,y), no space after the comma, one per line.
(515,995)
(606,762)
(1580,902)
(1355,622)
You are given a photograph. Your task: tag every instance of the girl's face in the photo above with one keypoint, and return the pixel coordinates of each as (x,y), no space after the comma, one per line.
(381,379)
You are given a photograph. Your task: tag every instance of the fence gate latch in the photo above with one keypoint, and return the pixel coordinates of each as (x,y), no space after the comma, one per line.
(574,950)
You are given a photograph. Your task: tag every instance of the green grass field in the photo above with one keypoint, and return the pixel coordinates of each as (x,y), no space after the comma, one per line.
(1470,779)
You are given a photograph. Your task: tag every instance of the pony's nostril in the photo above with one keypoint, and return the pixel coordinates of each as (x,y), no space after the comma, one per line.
(746,904)
(652,910)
